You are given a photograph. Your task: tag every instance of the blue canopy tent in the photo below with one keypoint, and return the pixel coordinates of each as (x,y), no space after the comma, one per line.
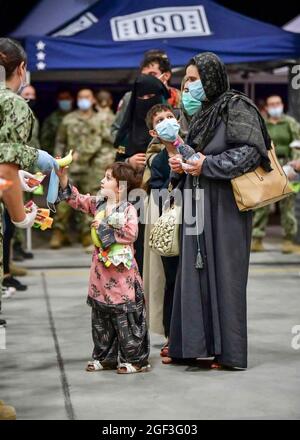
(114,34)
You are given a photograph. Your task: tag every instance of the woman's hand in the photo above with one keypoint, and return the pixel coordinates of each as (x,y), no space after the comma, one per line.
(24,180)
(138,161)
(28,220)
(175,163)
(195,166)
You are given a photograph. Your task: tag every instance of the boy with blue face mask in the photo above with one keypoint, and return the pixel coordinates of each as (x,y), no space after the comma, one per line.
(164,126)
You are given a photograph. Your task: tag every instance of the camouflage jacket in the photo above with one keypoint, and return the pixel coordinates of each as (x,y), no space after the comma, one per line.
(50,128)
(16,124)
(34,141)
(286,130)
(90,138)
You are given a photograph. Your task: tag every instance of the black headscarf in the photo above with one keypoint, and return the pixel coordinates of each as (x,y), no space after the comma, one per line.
(244,123)
(133,133)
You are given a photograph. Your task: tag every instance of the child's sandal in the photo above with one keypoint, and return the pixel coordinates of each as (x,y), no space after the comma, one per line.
(94,365)
(126,368)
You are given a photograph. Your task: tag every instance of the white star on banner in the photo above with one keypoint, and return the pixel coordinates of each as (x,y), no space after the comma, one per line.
(40,45)
(41,56)
(41,65)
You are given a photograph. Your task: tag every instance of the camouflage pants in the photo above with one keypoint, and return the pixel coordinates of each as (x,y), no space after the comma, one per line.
(287,219)
(66,216)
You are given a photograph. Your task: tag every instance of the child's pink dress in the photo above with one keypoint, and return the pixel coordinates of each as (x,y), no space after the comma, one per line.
(110,285)
(119,326)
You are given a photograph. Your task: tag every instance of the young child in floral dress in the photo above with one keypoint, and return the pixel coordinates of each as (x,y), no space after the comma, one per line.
(119,328)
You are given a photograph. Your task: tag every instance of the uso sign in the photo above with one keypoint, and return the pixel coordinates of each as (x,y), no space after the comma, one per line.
(183,21)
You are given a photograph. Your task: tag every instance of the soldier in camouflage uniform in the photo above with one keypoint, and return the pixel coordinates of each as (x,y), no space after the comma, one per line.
(29,94)
(283,130)
(86,132)
(104,107)
(16,123)
(52,122)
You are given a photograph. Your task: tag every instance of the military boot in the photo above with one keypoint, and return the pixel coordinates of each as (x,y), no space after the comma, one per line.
(288,247)
(7,412)
(58,239)
(86,240)
(17,271)
(257,245)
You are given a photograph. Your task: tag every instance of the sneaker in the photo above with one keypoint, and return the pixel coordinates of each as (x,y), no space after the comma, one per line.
(13,282)
(7,292)
(2,322)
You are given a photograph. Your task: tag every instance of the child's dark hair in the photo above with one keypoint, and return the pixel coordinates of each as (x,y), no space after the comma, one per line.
(157,108)
(12,55)
(124,172)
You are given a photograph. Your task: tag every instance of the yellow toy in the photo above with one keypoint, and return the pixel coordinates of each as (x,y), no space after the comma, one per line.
(65,161)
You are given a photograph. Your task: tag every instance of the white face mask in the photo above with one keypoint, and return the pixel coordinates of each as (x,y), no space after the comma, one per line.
(275,112)
(84,104)
(22,86)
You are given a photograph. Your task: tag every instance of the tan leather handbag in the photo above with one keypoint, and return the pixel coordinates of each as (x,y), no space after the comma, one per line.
(260,188)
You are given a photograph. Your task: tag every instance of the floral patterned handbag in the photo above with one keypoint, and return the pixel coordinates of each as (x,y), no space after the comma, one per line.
(164,236)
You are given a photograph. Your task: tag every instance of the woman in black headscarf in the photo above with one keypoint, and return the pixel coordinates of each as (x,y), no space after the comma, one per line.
(134,135)
(226,129)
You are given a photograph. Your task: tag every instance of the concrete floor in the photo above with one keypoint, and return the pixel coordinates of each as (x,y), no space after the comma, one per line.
(49,342)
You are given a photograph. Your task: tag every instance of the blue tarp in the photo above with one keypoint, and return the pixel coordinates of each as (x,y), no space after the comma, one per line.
(114,34)
(47,15)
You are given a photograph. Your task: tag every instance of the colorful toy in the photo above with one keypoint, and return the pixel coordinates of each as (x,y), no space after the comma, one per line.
(116,253)
(43,220)
(37,180)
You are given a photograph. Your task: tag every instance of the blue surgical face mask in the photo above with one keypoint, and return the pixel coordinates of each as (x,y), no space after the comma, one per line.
(190,104)
(168,129)
(65,105)
(84,104)
(197,91)
(52,190)
(275,112)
